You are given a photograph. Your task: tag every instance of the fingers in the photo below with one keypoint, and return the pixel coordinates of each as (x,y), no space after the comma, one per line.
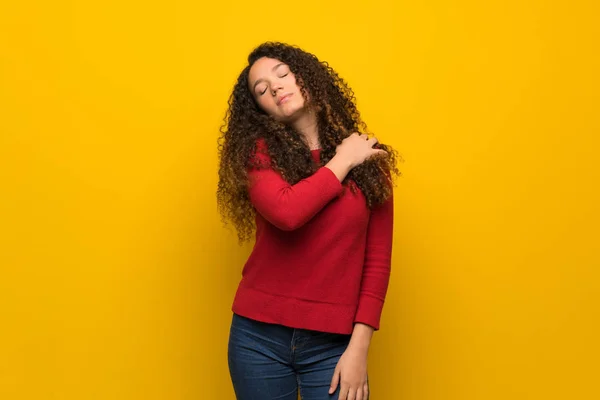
(344,392)
(364,136)
(334,381)
(372,141)
(377,153)
(360,394)
(352,394)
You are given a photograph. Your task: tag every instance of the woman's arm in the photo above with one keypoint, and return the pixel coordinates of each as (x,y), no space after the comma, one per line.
(289,207)
(377,265)
(351,371)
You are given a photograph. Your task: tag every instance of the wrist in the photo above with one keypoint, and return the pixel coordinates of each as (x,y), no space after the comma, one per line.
(344,161)
(361,338)
(358,348)
(340,167)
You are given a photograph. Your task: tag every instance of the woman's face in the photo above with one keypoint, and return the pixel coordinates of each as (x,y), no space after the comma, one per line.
(274,87)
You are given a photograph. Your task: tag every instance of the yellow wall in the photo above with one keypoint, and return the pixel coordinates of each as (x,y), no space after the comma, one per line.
(116,276)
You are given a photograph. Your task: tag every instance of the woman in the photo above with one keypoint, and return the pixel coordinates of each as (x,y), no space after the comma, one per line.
(298,167)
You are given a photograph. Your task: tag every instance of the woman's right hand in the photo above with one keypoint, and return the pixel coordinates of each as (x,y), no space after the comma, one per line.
(357,148)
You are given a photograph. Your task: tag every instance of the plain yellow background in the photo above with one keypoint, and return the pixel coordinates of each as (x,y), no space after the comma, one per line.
(116,274)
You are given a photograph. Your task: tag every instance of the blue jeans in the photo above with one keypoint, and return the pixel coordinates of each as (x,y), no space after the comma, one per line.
(268,362)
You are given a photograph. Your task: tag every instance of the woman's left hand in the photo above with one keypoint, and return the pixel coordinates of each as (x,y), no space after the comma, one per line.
(351,374)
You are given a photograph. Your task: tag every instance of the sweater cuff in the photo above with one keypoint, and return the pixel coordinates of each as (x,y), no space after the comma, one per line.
(369,311)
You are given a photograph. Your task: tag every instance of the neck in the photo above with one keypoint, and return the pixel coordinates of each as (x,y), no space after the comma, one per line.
(306,124)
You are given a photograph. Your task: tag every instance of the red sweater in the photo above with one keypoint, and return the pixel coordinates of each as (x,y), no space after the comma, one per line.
(321,259)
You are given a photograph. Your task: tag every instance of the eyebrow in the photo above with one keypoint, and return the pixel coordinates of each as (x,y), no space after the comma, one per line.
(261,80)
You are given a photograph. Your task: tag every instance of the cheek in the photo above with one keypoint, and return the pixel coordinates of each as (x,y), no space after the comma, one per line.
(266,104)
(300,92)
(293,82)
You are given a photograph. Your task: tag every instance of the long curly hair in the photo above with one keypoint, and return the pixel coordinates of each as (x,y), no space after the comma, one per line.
(337,118)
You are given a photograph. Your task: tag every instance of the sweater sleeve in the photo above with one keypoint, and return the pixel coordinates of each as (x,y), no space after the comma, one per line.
(286,206)
(377,265)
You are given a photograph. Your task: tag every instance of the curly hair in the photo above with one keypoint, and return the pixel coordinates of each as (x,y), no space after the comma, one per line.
(245,123)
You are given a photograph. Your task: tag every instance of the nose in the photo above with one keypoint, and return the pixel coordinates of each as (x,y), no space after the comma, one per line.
(275,87)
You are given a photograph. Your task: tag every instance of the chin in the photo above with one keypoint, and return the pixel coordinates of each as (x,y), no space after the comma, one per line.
(294,112)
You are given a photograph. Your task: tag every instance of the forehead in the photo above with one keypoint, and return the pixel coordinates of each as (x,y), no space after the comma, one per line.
(262,67)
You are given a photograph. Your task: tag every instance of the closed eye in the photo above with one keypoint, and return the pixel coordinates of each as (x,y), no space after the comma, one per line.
(260,93)
(260,90)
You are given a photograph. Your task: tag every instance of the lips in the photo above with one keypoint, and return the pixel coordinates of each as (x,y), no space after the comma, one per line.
(284,98)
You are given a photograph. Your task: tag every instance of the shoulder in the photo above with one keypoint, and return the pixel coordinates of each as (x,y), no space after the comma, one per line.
(261,145)
(259,156)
